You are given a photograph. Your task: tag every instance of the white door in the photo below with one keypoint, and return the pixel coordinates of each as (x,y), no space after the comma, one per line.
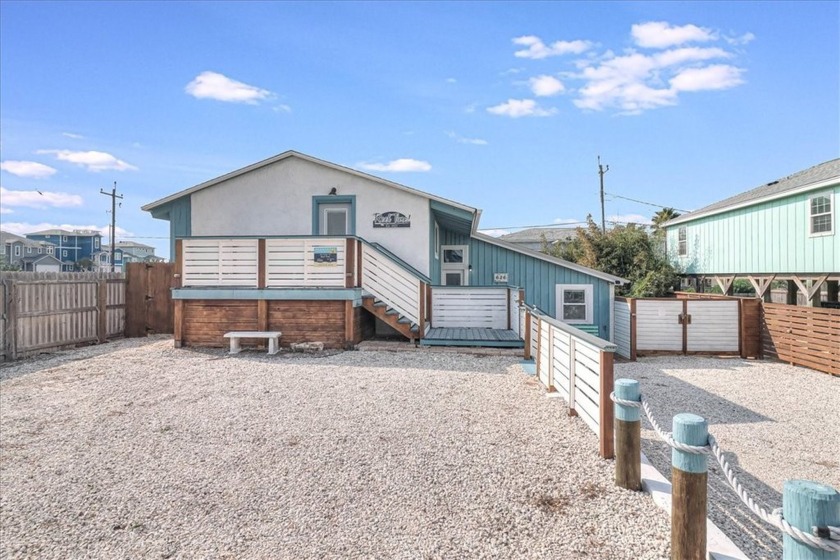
(455,265)
(334,219)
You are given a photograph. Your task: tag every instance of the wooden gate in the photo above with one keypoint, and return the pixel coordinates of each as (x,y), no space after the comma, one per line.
(656,325)
(149,308)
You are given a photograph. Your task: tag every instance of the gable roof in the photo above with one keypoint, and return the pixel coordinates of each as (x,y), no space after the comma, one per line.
(534,235)
(7,237)
(548,258)
(816,177)
(291,153)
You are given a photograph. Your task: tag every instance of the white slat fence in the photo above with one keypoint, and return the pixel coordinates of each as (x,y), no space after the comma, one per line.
(469,307)
(293,262)
(391,283)
(220,262)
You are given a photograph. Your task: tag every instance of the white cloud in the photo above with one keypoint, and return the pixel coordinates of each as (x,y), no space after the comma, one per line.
(463,140)
(398,165)
(451,81)
(567,221)
(30,169)
(4,210)
(39,199)
(212,85)
(516,108)
(72,135)
(628,219)
(546,86)
(22,228)
(91,160)
(718,76)
(661,34)
(536,49)
(282,108)
(741,40)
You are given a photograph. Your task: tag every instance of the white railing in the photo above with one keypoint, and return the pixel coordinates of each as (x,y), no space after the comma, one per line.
(571,362)
(513,310)
(220,262)
(391,283)
(469,307)
(311,262)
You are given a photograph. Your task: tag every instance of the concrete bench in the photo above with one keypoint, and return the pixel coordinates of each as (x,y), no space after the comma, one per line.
(272,336)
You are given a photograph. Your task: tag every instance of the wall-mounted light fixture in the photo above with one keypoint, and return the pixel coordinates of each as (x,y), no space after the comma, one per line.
(469,267)
(333,191)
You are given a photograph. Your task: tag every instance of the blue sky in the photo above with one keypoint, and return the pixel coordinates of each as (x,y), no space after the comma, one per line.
(502,106)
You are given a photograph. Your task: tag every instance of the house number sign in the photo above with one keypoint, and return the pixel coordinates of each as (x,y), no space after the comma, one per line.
(391,219)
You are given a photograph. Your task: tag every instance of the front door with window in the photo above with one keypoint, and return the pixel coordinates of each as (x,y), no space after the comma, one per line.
(455,265)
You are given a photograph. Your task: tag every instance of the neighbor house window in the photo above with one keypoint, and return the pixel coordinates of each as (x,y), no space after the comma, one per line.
(821,214)
(17,250)
(64,253)
(49,250)
(574,303)
(29,250)
(96,242)
(64,238)
(40,250)
(682,245)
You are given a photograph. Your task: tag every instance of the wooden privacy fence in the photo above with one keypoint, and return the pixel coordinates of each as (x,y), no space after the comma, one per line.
(648,326)
(577,365)
(805,336)
(45,311)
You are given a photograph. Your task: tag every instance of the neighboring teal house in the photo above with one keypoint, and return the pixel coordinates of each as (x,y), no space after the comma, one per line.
(293,237)
(786,230)
(71,247)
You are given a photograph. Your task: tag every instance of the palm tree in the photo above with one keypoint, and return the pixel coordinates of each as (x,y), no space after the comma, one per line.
(663,216)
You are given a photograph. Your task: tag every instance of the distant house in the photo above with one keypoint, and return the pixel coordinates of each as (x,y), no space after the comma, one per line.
(536,238)
(14,249)
(318,251)
(71,247)
(125,252)
(40,263)
(786,230)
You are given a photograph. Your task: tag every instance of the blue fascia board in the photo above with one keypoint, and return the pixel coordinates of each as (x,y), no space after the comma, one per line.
(301,294)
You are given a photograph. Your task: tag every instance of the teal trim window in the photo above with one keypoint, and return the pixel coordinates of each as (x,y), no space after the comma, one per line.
(682,242)
(333,200)
(821,214)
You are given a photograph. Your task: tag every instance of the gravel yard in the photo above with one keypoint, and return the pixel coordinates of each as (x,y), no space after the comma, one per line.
(136,449)
(774,422)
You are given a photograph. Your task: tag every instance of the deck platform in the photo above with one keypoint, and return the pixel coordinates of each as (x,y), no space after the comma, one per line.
(495,338)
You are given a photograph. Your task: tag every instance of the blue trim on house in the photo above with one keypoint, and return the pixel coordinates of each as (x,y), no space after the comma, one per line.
(179,214)
(538,277)
(317,201)
(305,294)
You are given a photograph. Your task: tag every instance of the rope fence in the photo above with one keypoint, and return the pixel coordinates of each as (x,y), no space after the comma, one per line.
(824,500)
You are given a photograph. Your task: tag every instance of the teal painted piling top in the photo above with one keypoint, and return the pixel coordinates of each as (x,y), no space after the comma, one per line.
(628,390)
(691,430)
(806,504)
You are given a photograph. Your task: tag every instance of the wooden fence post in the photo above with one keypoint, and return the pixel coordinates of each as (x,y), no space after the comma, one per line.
(11,319)
(632,329)
(605,408)
(102,305)
(688,500)
(807,504)
(628,436)
(572,377)
(527,353)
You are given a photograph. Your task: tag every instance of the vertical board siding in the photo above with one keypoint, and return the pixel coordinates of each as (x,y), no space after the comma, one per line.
(390,283)
(768,238)
(220,262)
(538,277)
(805,336)
(714,326)
(48,311)
(657,325)
(622,328)
(484,308)
(291,262)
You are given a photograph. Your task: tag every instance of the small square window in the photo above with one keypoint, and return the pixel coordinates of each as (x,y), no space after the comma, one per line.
(454,256)
(574,303)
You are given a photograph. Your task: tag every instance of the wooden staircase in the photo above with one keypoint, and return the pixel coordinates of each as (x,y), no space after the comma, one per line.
(392,317)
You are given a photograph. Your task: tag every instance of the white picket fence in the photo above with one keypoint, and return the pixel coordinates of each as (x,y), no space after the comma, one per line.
(579,367)
(391,283)
(220,262)
(319,263)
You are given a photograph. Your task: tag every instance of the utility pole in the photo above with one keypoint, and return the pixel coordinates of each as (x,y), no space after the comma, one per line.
(602,170)
(114,196)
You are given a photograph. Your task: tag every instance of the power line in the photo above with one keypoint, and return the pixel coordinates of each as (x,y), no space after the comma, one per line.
(648,203)
(613,222)
(114,196)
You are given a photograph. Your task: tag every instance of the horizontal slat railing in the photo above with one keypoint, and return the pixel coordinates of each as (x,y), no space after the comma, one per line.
(220,262)
(469,307)
(391,283)
(805,336)
(311,262)
(579,366)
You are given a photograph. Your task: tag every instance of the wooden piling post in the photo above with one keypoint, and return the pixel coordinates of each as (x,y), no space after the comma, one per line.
(688,500)
(807,504)
(628,436)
